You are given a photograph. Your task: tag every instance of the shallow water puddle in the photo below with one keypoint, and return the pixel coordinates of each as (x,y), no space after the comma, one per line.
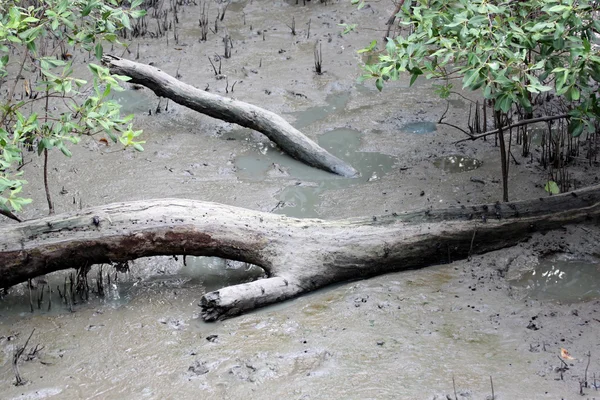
(335,102)
(214,272)
(133,101)
(419,127)
(204,274)
(17,303)
(563,280)
(456,163)
(301,199)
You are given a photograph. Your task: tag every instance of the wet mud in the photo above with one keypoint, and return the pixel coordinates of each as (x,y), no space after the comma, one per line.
(407,335)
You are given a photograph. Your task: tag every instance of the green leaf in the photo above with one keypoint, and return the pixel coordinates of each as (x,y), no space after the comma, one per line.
(99,51)
(370,47)
(551,187)
(125,21)
(66,151)
(558,8)
(138,147)
(576,127)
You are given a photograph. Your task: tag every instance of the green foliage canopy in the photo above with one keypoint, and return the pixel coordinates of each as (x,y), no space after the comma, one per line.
(509,50)
(35,39)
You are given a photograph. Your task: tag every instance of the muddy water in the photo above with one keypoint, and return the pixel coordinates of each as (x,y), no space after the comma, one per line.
(302,197)
(399,336)
(563,279)
(456,163)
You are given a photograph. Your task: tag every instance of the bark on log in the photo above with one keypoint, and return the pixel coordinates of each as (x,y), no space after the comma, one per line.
(299,255)
(277,129)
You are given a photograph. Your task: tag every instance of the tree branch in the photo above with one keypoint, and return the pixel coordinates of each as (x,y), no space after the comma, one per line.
(517,124)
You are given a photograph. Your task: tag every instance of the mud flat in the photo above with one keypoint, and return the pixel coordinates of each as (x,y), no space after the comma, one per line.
(398,336)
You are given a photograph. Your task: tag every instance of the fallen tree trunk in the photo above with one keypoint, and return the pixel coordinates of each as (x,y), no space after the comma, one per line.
(277,129)
(299,255)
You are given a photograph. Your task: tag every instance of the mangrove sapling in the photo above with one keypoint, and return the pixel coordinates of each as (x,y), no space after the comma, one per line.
(40,53)
(507,73)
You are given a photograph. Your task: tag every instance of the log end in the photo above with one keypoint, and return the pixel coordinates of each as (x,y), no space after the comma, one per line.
(234,300)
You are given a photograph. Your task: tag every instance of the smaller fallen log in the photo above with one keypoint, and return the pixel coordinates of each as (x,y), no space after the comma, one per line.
(298,255)
(277,129)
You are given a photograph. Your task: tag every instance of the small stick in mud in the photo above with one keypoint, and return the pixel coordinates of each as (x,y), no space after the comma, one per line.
(308,31)
(563,368)
(49,298)
(454,387)
(318,59)
(293,26)
(589,356)
(15,361)
(203,23)
(228,46)
(222,12)
(40,298)
(492,384)
(100,282)
(30,298)
(177,74)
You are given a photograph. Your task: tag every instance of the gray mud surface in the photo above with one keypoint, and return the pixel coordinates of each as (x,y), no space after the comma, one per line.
(400,336)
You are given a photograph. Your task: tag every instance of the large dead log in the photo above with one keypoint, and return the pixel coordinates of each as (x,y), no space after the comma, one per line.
(299,255)
(277,129)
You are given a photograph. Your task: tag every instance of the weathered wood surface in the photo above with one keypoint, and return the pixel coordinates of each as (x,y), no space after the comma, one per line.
(277,129)
(299,255)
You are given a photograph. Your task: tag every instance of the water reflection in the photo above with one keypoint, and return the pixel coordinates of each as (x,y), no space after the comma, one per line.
(456,163)
(564,280)
(302,198)
(419,127)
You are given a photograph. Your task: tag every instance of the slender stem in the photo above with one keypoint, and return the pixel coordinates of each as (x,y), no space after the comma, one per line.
(48,197)
(503,158)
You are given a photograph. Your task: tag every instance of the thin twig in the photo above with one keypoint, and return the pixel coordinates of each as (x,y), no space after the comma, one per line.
(589,356)
(441,121)
(520,123)
(454,387)
(15,363)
